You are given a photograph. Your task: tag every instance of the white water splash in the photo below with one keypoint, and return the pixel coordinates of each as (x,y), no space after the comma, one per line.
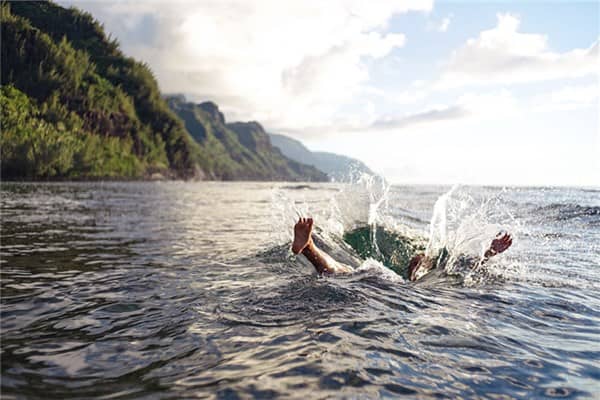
(351,205)
(438,227)
(464,222)
(378,190)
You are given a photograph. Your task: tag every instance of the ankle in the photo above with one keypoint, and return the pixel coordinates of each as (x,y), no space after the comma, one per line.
(489,253)
(309,248)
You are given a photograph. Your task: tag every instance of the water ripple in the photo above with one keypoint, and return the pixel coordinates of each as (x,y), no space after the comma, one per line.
(179,290)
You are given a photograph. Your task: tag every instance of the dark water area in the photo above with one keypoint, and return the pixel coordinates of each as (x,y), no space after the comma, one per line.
(188,290)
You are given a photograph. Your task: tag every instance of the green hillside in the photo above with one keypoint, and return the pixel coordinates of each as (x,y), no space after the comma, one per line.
(75,107)
(239,150)
(78,84)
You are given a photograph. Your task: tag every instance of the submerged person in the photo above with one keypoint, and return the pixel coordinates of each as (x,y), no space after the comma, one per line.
(418,266)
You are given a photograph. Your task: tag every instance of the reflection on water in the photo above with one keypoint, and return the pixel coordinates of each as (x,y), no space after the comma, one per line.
(183,290)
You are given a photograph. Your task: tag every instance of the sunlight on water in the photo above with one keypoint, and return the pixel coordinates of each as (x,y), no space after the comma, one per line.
(184,290)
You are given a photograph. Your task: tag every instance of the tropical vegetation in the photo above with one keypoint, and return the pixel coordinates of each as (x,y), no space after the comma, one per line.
(75,107)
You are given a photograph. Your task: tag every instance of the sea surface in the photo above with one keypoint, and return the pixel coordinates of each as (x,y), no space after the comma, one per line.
(169,290)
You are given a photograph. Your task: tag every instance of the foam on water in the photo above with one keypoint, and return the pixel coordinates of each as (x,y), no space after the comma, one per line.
(463,221)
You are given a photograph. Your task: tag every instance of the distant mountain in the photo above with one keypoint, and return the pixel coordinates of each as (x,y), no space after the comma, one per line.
(338,167)
(239,150)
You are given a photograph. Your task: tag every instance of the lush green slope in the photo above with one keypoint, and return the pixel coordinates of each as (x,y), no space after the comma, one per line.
(78,81)
(32,147)
(238,150)
(74,106)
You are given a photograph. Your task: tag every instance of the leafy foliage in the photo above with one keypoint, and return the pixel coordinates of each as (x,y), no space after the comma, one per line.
(74,106)
(32,147)
(61,59)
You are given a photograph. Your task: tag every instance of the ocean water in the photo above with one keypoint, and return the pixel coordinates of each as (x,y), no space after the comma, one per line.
(168,290)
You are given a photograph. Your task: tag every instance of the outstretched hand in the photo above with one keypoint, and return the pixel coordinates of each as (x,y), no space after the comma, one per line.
(500,244)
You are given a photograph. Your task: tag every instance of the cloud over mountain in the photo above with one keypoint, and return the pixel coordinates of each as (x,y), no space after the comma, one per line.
(274,61)
(503,55)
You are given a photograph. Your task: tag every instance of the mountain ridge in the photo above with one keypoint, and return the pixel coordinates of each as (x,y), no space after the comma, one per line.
(244,148)
(338,167)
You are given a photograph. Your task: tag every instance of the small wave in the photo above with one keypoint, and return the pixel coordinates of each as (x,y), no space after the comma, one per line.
(298,187)
(319,187)
(565,212)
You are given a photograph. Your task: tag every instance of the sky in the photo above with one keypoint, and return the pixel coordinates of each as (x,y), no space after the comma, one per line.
(422,91)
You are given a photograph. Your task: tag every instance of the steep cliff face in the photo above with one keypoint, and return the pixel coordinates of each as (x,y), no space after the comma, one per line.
(252,135)
(239,150)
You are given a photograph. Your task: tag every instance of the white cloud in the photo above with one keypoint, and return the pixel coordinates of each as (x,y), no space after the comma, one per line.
(489,105)
(285,63)
(504,55)
(486,106)
(567,98)
(426,117)
(497,104)
(443,27)
(440,25)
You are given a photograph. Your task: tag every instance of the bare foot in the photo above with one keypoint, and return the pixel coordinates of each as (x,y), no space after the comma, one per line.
(302,232)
